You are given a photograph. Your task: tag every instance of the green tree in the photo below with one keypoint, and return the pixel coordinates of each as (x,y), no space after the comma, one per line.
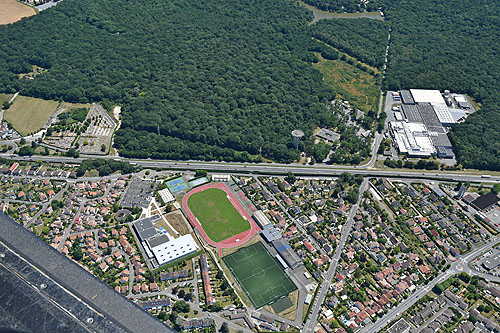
(224,328)
(290,177)
(496,189)
(181,307)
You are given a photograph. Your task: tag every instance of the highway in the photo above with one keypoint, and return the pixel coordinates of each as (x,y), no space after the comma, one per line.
(320,298)
(457,267)
(271,168)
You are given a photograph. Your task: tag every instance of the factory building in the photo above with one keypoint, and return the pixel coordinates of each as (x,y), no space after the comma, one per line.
(412,139)
(420,127)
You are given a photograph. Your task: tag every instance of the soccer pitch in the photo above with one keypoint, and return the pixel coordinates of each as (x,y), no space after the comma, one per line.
(260,276)
(216,214)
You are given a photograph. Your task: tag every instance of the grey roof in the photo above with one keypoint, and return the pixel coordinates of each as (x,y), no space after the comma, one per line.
(144,227)
(327,135)
(406,97)
(411,113)
(429,117)
(157,241)
(485,201)
(71,286)
(441,140)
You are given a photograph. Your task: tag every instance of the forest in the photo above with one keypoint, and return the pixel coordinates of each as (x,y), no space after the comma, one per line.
(366,38)
(197,79)
(349,6)
(452,45)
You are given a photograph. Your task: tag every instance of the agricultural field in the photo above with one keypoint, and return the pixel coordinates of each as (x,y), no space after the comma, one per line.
(12,11)
(217,216)
(260,276)
(351,83)
(28,115)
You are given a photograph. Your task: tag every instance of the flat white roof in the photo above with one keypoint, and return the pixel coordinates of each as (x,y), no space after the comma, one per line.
(166,196)
(174,249)
(443,113)
(460,98)
(412,138)
(427,96)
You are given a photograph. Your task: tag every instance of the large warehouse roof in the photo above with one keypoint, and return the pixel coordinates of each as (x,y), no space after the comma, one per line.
(427,96)
(443,113)
(412,138)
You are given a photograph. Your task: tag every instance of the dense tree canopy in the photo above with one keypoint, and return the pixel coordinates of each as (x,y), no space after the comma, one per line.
(350,6)
(364,39)
(217,79)
(452,45)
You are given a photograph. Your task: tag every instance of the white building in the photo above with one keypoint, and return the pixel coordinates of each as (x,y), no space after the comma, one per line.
(427,96)
(166,250)
(166,196)
(221,178)
(412,139)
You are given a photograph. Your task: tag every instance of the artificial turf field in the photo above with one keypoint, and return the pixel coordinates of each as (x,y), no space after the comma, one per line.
(260,276)
(216,214)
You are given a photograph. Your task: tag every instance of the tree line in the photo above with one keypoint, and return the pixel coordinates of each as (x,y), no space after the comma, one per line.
(366,38)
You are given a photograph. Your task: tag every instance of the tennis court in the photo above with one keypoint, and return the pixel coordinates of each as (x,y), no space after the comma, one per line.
(176,185)
(259,275)
(198,181)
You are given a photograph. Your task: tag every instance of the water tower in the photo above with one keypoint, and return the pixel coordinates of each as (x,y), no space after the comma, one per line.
(297,135)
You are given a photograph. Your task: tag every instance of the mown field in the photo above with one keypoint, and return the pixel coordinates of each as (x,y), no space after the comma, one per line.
(216,214)
(12,11)
(28,115)
(351,83)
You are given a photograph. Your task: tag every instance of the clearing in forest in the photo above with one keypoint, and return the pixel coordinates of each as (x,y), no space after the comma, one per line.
(351,83)
(28,115)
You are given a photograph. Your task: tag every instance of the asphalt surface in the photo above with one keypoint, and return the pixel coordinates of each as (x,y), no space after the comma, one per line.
(319,299)
(271,168)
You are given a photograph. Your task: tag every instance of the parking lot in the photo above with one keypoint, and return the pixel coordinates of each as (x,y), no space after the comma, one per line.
(138,194)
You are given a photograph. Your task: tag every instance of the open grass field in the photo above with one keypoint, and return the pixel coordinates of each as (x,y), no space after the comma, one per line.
(28,115)
(217,216)
(260,276)
(12,11)
(5,98)
(351,83)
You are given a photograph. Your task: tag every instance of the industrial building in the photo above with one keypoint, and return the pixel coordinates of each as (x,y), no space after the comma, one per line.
(412,139)
(419,129)
(485,202)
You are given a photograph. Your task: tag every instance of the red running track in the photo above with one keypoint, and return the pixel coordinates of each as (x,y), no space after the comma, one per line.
(228,242)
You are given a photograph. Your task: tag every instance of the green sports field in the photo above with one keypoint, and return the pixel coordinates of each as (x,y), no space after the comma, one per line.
(259,274)
(216,214)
